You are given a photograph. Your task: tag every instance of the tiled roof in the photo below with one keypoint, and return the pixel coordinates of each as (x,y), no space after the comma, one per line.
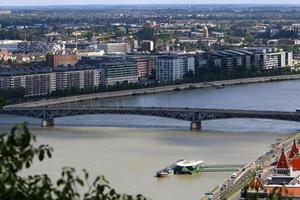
(295,163)
(294,151)
(256,184)
(282,162)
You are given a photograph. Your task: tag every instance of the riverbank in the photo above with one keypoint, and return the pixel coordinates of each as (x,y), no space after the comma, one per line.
(217,84)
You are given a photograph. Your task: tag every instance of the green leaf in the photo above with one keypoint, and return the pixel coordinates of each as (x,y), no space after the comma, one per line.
(41,155)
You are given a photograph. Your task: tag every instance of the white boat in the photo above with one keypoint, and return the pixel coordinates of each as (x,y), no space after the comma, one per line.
(188,166)
(165,172)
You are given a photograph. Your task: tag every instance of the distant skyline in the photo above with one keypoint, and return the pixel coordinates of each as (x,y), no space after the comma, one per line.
(114,2)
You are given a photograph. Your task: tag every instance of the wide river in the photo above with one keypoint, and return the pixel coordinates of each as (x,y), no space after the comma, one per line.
(128,150)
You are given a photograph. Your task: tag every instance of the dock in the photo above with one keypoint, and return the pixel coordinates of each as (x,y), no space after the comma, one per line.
(210,168)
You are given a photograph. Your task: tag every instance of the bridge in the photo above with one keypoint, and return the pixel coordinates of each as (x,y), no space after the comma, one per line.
(194,115)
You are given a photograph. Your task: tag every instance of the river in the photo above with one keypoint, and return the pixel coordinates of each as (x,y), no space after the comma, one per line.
(129,149)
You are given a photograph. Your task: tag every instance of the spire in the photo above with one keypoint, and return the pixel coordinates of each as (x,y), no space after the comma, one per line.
(294,151)
(282,162)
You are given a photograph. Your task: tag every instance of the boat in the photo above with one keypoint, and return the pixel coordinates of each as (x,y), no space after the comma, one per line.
(165,172)
(188,166)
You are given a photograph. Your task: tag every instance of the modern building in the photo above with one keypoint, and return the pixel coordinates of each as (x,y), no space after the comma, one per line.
(270,58)
(145,64)
(78,77)
(173,67)
(37,81)
(115,48)
(117,68)
(245,58)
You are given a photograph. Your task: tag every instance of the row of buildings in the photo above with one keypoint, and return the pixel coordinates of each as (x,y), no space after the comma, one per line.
(111,47)
(262,57)
(65,71)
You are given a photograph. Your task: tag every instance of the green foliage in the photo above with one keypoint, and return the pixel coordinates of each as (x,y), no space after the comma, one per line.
(13,94)
(18,153)
(2,101)
(145,34)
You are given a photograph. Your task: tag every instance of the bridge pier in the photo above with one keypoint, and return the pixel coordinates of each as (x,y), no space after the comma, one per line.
(47,123)
(197,125)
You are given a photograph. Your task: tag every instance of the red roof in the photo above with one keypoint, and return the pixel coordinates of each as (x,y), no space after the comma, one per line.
(283,191)
(256,183)
(295,163)
(282,162)
(294,151)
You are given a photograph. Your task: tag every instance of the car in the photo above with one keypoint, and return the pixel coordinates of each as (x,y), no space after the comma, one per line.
(233,175)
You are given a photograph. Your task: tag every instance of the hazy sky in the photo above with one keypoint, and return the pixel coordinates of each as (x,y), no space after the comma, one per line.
(73,2)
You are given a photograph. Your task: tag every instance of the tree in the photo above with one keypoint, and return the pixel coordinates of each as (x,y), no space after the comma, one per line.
(17,153)
(145,34)
(2,101)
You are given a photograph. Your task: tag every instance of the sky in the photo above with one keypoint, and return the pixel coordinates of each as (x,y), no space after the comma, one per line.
(86,2)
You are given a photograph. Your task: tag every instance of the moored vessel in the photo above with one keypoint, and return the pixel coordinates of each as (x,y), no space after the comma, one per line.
(188,166)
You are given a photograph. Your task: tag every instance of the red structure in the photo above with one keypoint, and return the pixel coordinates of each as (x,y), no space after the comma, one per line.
(294,151)
(283,162)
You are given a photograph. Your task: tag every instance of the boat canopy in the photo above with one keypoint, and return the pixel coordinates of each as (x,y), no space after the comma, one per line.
(188,163)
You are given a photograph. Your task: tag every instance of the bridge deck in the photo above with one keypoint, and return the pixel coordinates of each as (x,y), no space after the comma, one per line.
(187,114)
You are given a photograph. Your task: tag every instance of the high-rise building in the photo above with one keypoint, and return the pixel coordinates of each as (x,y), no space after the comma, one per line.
(173,67)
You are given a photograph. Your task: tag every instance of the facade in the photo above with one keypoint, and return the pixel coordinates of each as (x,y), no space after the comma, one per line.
(39,81)
(117,68)
(271,58)
(225,60)
(115,48)
(145,64)
(170,68)
(78,77)
(55,60)
(228,60)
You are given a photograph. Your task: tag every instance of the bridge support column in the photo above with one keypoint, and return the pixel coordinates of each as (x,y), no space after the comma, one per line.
(197,125)
(47,123)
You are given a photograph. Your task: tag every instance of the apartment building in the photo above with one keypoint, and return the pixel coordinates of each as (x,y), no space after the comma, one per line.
(115,47)
(173,67)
